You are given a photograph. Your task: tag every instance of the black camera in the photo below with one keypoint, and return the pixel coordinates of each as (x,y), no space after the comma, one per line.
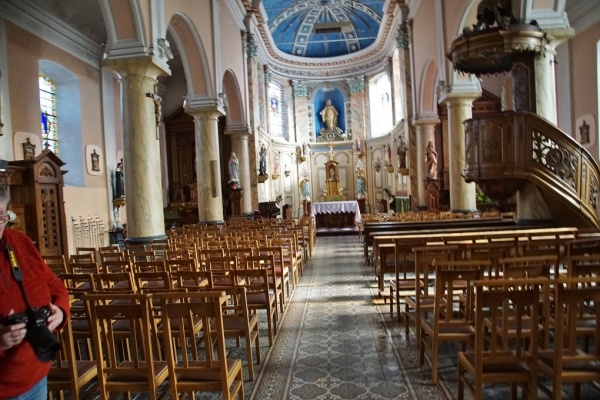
(44,343)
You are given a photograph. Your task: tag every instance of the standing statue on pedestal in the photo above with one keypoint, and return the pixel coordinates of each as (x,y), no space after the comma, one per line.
(401,153)
(431,160)
(234,170)
(329,115)
(119,182)
(262,166)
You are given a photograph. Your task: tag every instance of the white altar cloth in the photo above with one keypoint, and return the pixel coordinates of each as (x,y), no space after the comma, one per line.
(331,207)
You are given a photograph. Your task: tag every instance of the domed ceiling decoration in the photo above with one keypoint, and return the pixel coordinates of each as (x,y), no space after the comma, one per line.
(323,28)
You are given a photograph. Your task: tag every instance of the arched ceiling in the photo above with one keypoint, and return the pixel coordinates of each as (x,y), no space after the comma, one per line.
(323,28)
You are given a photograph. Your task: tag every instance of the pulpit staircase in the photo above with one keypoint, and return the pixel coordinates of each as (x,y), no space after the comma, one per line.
(507,151)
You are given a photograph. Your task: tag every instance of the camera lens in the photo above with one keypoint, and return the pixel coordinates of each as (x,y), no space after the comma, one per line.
(44,343)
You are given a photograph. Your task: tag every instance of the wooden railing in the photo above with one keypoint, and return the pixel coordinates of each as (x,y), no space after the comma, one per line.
(504,150)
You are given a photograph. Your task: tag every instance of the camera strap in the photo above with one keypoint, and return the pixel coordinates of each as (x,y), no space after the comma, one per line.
(16,272)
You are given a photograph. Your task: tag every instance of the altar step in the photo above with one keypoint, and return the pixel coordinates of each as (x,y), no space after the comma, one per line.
(325,231)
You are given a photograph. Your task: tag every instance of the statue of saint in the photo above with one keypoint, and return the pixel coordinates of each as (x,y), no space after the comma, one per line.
(234,168)
(119,182)
(431,160)
(262,167)
(329,115)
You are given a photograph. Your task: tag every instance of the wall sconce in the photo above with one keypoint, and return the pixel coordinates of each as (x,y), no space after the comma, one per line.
(377,165)
(286,171)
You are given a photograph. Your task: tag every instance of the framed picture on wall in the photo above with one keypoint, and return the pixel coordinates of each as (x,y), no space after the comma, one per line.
(585,130)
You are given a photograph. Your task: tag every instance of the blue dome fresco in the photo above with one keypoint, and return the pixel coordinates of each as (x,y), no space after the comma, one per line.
(323,28)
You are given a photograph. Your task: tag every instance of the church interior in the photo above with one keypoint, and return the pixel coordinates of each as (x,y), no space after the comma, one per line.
(123,122)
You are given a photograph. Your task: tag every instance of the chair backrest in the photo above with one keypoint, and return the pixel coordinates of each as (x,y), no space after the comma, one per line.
(148,282)
(57,263)
(115,266)
(120,282)
(87,250)
(497,301)
(529,266)
(452,277)
(188,368)
(83,268)
(180,264)
(193,280)
(149,266)
(128,356)
(82,258)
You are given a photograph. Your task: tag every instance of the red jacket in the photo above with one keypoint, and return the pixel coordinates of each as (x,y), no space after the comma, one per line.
(20,369)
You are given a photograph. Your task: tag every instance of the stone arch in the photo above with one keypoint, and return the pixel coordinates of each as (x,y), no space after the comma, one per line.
(235,105)
(124,28)
(427,92)
(195,63)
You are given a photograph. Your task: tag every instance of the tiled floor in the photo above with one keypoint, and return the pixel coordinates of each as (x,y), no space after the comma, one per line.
(334,344)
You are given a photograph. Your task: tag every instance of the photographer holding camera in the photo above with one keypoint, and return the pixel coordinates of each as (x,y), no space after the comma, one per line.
(33,302)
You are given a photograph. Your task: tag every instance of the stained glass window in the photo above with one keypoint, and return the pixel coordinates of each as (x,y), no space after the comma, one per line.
(49,124)
(381,105)
(275,110)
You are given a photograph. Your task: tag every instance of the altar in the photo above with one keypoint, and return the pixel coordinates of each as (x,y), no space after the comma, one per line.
(336,215)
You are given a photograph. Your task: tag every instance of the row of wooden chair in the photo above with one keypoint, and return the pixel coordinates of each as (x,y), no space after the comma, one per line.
(169,339)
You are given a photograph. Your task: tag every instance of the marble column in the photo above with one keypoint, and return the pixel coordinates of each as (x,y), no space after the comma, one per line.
(462,194)
(424,132)
(239,145)
(208,164)
(545,86)
(141,147)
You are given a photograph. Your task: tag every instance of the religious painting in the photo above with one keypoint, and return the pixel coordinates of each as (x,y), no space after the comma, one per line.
(93,159)
(585,130)
(28,150)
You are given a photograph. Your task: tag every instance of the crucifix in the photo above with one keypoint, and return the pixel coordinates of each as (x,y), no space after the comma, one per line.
(157,108)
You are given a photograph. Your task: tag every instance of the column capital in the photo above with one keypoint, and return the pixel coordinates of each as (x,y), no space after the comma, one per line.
(462,98)
(150,66)
(198,105)
(425,121)
(556,36)
(207,112)
(238,131)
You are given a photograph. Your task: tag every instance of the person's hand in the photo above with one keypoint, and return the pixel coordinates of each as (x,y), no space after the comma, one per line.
(55,318)
(11,335)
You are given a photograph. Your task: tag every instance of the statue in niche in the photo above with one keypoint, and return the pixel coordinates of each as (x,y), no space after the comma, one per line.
(431,160)
(329,115)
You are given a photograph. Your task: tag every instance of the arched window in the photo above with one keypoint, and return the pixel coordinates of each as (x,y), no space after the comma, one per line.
(380,105)
(48,114)
(60,103)
(275,110)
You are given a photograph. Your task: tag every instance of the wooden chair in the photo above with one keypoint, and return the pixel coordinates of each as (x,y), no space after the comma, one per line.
(403,282)
(281,269)
(57,263)
(260,295)
(511,362)
(127,362)
(239,323)
(82,258)
(568,362)
(452,319)
(180,264)
(190,373)
(141,255)
(267,261)
(421,300)
(288,257)
(110,256)
(77,286)
(69,372)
